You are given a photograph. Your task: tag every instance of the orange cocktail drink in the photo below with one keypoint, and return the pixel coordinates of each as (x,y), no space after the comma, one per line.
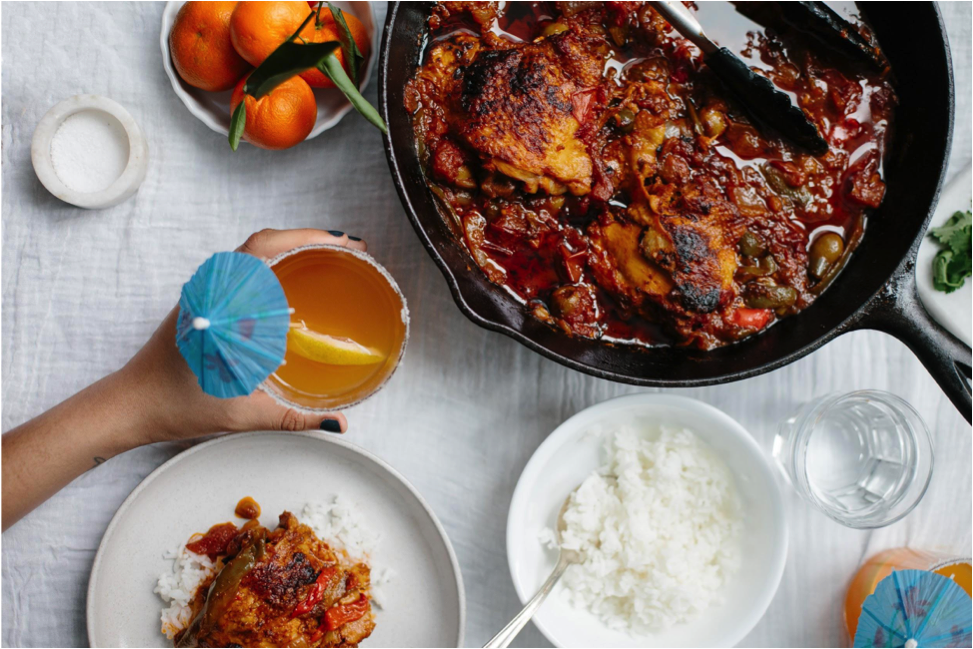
(881,566)
(349,327)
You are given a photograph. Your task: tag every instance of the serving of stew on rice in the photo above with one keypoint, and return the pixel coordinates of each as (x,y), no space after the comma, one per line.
(596,169)
(280,588)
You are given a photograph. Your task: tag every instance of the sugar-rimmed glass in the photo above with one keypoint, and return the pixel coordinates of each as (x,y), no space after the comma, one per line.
(352,296)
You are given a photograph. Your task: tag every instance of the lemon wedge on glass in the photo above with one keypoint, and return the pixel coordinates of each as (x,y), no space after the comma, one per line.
(330,350)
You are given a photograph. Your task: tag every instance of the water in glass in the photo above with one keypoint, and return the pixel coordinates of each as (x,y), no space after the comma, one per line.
(863,458)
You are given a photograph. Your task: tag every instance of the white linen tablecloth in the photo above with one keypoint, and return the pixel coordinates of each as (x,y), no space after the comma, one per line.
(83,290)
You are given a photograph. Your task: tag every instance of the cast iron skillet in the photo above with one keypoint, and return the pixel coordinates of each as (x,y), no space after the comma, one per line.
(876,290)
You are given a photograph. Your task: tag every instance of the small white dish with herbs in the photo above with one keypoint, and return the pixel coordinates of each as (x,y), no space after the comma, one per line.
(943,262)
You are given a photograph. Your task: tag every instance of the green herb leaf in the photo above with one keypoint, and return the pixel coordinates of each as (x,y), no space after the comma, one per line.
(288,60)
(955,231)
(954,263)
(349,47)
(312,14)
(237,123)
(336,73)
(295,56)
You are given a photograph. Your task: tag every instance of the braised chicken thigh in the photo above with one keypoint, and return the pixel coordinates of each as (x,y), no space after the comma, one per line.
(594,166)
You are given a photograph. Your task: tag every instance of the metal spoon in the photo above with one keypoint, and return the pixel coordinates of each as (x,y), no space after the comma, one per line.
(766,104)
(565,558)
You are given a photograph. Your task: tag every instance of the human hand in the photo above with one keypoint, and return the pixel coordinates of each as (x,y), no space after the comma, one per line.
(177,408)
(155,397)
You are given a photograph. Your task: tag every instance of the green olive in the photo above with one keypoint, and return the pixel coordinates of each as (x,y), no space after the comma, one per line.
(625,119)
(825,252)
(768,265)
(751,245)
(765,267)
(761,296)
(554,29)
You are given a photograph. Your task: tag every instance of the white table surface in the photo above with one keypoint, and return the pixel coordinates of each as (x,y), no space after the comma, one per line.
(83,290)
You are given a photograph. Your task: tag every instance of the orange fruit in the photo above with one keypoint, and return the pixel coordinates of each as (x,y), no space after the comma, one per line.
(326,31)
(282,118)
(258,28)
(200,46)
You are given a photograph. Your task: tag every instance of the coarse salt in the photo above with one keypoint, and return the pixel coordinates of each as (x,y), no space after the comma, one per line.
(89,151)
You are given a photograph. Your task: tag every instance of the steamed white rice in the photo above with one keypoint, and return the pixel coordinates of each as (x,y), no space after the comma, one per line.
(343,527)
(659,527)
(336,522)
(176,588)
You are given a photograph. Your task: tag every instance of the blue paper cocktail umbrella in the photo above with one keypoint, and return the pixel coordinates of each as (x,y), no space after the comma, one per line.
(916,608)
(233,323)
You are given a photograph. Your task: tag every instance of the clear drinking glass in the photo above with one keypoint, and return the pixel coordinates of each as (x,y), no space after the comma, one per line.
(863,458)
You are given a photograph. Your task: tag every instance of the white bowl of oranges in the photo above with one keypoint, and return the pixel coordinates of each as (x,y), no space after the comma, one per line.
(209,49)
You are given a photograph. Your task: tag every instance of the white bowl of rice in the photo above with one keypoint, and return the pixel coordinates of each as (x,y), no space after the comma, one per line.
(679,518)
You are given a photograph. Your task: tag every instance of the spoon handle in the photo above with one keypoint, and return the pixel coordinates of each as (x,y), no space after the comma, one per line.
(509,632)
(676,14)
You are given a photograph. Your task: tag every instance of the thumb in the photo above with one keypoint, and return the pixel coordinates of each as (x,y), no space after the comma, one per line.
(267,414)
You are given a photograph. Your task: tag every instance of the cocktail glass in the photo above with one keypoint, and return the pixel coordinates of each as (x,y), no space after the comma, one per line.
(343,293)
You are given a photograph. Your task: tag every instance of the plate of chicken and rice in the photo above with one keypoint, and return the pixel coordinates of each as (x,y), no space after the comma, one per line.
(326,546)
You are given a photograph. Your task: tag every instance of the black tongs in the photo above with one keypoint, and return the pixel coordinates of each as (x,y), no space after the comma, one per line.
(819,21)
(767,105)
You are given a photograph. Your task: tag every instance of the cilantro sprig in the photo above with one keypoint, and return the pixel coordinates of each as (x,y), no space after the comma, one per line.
(952,265)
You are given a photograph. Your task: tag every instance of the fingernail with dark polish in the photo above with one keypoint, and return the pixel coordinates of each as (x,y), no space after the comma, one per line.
(331,426)
(351,238)
(337,233)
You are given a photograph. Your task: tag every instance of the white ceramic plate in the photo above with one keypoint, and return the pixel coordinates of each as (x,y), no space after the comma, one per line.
(570,454)
(213,108)
(952,310)
(424,601)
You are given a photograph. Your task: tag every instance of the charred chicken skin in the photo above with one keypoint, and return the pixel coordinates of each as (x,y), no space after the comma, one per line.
(284,588)
(592,164)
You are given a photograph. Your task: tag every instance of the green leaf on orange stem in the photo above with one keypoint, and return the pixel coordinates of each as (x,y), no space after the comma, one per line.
(237,123)
(295,56)
(303,25)
(288,60)
(336,73)
(349,47)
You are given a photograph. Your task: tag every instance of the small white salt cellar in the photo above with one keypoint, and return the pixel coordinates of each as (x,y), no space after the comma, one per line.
(90,152)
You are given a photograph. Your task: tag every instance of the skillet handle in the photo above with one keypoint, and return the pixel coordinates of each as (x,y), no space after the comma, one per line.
(898,311)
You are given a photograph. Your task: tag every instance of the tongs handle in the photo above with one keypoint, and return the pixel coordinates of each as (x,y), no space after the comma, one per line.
(819,21)
(764,102)
(767,105)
